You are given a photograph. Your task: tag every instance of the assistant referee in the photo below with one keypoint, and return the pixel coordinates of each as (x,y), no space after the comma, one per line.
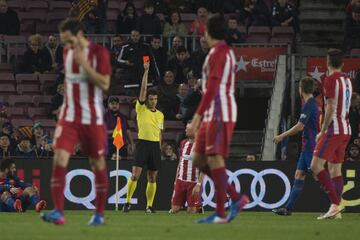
(150,123)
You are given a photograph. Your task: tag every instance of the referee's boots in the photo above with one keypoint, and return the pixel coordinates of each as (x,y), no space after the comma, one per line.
(150,210)
(126,207)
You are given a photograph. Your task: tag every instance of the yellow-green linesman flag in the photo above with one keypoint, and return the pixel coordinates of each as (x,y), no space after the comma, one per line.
(118,135)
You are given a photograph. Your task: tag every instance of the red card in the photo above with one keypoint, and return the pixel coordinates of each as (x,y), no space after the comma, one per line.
(146,58)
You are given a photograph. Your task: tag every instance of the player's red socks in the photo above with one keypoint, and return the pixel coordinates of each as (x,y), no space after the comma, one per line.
(220,180)
(327,184)
(230,189)
(339,185)
(101,185)
(57,187)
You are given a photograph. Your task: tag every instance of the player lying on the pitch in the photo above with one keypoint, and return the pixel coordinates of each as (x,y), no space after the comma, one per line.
(187,187)
(307,125)
(15,194)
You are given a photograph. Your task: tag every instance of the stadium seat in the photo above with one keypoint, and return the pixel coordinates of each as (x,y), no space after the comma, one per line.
(188,17)
(28,89)
(258,34)
(38,113)
(7,89)
(47,123)
(125,109)
(31,16)
(174,125)
(46,28)
(26,78)
(21,122)
(355,52)
(242,29)
(282,31)
(14,39)
(17,5)
(132,125)
(37,6)
(20,100)
(40,100)
(282,40)
(6,68)
(44,78)
(59,6)
(169,136)
(7,78)
(16,112)
(55,17)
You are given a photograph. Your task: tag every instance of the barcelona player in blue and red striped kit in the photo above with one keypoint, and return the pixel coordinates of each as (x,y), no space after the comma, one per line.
(308,125)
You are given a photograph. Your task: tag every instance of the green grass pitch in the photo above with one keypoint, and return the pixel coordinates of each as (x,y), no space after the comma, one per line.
(138,225)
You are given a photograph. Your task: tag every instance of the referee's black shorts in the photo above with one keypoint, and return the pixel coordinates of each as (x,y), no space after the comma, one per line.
(148,154)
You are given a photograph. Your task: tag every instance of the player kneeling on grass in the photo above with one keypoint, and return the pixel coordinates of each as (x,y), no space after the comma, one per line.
(307,124)
(187,187)
(15,194)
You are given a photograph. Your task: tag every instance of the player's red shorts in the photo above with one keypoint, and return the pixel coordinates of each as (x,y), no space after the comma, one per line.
(214,138)
(332,148)
(183,193)
(92,138)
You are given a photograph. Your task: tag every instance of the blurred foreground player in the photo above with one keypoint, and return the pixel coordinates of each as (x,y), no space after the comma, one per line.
(334,136)
(187,187)
(15,194)
(87,74)
(307,124)
(216,116)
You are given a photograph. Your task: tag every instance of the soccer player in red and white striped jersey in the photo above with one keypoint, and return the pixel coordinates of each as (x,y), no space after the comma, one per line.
(335,133)
(218,111)
(87,75)
(188,179)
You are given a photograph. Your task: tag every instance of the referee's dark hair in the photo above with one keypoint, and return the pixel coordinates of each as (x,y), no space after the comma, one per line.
(72,25)
(216,26)
(152,92)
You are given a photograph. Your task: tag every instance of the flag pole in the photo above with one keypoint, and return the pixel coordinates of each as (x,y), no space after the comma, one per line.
(117,181)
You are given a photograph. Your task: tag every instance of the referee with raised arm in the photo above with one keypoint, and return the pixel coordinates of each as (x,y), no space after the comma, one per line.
(150,122)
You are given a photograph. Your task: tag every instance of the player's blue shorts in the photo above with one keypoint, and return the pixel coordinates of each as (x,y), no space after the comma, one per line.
(304,161)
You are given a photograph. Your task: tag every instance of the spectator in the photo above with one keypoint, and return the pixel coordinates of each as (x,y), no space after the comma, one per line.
(35,60)
(352,29)
(250,158)
(126,22)
(180,65)
(131,60)
(8,129)
(57,101)
(182,93)
(111,114)
(176,42)
(5,147)
(354,115)
(198,26)
(192,101)
(95,20)
(159,55)
(168,102)
(117,43)
(175,27)
(234,35)
(353,153)
(257,12)
(149,23)
(37,134)
(198,57)
(24,149)
(46,147)
(9,20)
(168,153)
(55,51)
(192,79)
(348,9)
(285,14)
(357,141)
(3,114)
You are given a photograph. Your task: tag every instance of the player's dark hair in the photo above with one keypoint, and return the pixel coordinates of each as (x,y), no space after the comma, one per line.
(72,25)
(335,58)
(217,27)
(6,164)
(307,85)
(151,91)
